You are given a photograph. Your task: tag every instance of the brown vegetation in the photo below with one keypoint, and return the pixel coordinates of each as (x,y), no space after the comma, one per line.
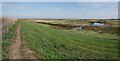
(7,22)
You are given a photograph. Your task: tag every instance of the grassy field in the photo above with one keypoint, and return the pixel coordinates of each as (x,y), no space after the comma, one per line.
(67,21)
(50,43)
(73,21)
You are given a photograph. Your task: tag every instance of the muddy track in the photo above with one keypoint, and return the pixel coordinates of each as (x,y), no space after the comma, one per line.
(16,50)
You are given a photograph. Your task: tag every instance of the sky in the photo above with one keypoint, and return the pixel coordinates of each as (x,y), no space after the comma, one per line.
(60,0)
(68,10)
(0,9)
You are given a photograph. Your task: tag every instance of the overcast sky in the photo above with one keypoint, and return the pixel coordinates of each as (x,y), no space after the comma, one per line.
(75,10)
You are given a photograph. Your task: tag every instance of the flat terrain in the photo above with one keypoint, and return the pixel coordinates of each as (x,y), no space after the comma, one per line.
(73,21)
(49,43)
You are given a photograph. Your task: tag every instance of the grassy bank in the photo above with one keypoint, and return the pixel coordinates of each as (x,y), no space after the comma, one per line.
(50,43)
(7,40)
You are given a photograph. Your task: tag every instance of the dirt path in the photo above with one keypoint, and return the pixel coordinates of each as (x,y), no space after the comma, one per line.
(16,50)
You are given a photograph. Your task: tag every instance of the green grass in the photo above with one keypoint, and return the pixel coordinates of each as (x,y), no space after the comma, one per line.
(49,43)
(7,40)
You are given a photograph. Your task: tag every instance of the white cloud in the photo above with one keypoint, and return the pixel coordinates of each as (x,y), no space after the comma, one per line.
(5,4)
(8,5)
(57,8)
(21,8)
